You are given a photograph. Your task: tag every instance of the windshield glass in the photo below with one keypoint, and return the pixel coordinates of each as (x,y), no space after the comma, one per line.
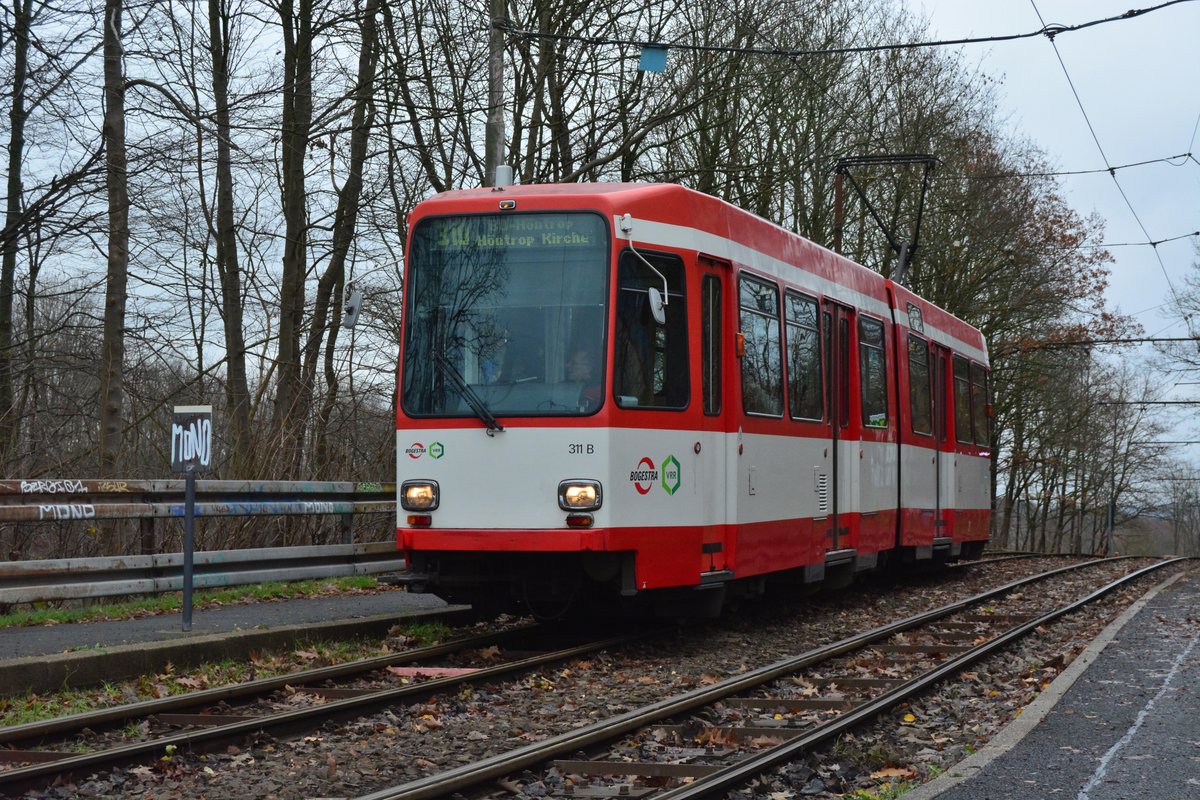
(515,302)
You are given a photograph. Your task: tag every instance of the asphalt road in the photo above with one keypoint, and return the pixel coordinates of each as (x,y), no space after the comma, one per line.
(1127,729)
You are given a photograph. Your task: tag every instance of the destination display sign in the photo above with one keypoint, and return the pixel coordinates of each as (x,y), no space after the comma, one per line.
(518,231)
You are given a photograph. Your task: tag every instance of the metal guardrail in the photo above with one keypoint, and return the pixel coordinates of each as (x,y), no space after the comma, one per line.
(44,500)
(62,500)
(78,578)
(82,501)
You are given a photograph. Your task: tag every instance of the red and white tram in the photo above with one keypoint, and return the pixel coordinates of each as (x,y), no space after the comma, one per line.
(614,390)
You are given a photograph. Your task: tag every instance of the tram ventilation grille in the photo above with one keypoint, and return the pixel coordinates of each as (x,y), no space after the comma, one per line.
(822,493)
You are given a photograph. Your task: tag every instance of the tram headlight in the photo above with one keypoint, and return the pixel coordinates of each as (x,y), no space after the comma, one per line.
(419,495)
(579,495)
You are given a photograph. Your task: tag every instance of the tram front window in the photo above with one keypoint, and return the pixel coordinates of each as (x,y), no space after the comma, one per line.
(507,300)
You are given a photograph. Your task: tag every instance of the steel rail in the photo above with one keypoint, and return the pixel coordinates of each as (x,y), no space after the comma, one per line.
(740,773)
(35,776)
(59,726)
(498,766)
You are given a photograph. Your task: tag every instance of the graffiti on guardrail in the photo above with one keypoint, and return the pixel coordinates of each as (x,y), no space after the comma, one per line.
(67,511)
(112,486)
(253,508)
(53,487)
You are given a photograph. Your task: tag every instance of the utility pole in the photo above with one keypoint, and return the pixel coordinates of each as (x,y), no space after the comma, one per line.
(494,135)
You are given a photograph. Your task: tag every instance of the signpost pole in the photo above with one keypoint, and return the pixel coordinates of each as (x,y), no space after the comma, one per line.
(189,544)
(191,451)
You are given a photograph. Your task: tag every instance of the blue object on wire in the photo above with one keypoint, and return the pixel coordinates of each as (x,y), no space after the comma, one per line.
(654,58)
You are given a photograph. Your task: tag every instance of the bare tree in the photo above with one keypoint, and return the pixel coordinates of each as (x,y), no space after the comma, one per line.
(297,27)
(112,354)
(237,391)
(21,34)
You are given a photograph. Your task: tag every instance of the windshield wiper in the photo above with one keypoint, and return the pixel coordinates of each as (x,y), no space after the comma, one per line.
(473,399)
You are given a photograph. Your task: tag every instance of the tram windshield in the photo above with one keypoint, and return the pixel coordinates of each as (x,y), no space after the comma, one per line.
(511,306)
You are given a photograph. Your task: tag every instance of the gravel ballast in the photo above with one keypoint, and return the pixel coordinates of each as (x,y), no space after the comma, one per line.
(909,744)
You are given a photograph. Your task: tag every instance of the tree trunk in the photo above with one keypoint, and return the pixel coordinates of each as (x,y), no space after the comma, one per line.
(237,393)
(297,122)
(112,349)
(112,357)
(22,12)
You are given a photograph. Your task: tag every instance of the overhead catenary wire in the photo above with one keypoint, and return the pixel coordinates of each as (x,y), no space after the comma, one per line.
(1182,158)
(947,246)
(1126,340)
(1153,243)
(1112,171)
(1049,31)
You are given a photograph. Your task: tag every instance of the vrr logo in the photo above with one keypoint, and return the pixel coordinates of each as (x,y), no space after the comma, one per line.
(672,475)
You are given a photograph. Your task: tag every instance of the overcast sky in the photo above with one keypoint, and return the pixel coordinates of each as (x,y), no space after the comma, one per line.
(1139,84)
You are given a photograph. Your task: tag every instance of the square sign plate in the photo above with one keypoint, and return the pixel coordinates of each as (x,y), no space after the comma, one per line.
(191,438)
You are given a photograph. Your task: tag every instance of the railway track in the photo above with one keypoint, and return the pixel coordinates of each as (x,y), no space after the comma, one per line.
(224,725)
(712,739)
(57,741)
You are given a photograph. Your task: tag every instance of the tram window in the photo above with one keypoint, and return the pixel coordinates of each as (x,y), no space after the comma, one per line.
(962,400)
(710,354)
(762,367)
(827,356)
(979,404)
(872,372)
(804,357)
(920,402)
(501,304)
(651,367)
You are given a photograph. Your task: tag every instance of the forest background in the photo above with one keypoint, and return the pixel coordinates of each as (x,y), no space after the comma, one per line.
(191,186)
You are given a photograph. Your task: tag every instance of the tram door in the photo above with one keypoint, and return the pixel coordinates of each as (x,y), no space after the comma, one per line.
(836,323)
(942,422)
(712,460)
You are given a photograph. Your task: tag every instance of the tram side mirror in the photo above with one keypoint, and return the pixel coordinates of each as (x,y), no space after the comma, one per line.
(657,307)
(740,345)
